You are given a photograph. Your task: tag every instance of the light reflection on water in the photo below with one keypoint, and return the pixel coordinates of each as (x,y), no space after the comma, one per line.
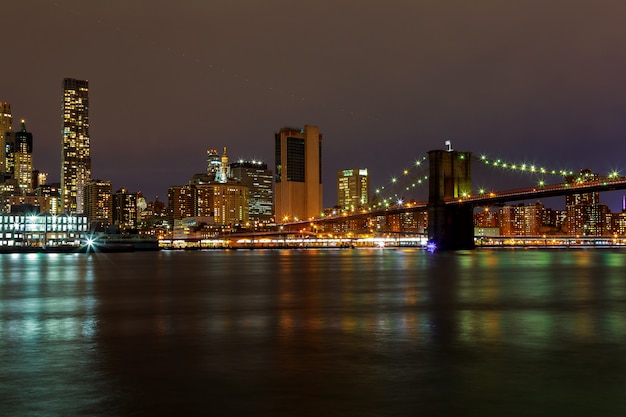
(347,332)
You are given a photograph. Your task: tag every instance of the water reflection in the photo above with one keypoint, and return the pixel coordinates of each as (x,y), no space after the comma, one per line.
(347,332)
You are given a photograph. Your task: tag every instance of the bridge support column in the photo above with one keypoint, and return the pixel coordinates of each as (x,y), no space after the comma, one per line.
(451,225)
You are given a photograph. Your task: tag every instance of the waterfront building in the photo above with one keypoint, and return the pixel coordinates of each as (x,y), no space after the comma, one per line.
(125,210)
(298,173)
(620,223)
(23,159)
(410,222)
(353,189)
(99,203)
(521,220)
(43,230)
(76,154)
(486,218)
(584,215)
(258,179)
(6,125)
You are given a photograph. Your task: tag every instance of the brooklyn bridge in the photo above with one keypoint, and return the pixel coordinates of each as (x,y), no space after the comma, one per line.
(452,199)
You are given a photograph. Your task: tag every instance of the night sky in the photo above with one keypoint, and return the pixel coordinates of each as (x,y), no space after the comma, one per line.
(541,82)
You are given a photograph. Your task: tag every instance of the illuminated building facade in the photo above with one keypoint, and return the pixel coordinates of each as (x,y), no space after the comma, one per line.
(521,220)
(258,179)
(584,214)
(298,173)
(39,178)
(76,156)
(486,218)
(6,125)
(353,189)
(99,203)
(30,230)
(29,204)
(226,203)
(23,159)
(125,209)
(181,202)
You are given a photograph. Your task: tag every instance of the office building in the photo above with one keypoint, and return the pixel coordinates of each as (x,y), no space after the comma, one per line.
(99,203)
(6,125)
(22,159)
(353,189)
(258,179)
(76,156)
(298,173)
(214,163)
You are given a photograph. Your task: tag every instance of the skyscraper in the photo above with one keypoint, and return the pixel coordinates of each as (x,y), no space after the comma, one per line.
(258,179)
(214,163)
(298,173)
(6,125)
(76,157)
(23,159)
(352,188)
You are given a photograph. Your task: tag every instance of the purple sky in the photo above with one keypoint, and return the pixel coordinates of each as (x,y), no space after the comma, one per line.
(530,81)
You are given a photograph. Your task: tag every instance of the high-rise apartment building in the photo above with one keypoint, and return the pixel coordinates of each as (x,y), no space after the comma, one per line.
(23,159)
(99,203)
(258,179)
(298,173)
(584,214)
(521,220)
(125,209)
(6,125)
(76,156)
(353,189)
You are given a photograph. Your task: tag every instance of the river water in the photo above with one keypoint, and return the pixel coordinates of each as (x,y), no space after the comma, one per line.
(363,332)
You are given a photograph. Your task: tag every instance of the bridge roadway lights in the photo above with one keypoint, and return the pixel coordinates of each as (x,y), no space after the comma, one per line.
(451,227)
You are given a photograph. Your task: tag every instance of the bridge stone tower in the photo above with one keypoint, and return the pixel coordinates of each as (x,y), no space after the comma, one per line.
(450,226)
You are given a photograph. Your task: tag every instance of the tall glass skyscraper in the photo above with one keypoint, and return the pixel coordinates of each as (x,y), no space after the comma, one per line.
(76,157)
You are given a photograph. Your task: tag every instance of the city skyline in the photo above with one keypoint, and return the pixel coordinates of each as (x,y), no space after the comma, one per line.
(531,83)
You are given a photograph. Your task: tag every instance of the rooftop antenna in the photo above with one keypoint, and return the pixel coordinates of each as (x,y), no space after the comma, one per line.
(448,146)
